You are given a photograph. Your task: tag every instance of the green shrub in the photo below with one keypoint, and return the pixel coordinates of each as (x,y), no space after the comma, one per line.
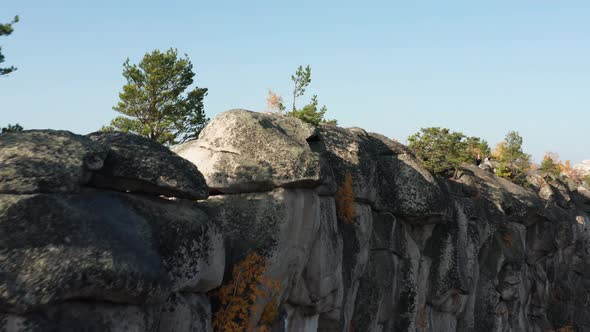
(512,162)
(550,166)
(442,151)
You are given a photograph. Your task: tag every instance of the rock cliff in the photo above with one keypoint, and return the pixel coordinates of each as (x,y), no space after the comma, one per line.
(112,232)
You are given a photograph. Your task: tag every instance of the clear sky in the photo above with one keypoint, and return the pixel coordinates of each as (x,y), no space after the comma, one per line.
(480,67)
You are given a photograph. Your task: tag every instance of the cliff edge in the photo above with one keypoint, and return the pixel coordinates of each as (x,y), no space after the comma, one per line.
(113,232)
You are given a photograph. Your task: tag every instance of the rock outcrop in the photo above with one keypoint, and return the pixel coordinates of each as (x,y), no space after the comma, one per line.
(118,234)
(74,257)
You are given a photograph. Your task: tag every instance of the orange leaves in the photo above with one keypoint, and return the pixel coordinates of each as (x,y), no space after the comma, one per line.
(345,200)
(240,298)
(274,102)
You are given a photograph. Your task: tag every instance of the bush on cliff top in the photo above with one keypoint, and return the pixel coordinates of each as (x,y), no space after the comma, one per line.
(551,165)
(442,151)
(513,163)
(310,113)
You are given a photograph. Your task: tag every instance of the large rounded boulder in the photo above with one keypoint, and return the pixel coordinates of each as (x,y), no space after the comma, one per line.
(242,151)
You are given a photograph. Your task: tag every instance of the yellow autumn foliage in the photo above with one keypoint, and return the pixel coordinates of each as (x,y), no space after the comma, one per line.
(240,298)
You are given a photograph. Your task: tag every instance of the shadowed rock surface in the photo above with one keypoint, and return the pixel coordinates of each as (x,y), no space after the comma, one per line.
(47,161)
(138,164)
(77,258)
(477,253)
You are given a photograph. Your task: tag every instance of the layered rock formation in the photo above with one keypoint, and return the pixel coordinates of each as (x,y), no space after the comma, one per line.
(120,258)
(111,232)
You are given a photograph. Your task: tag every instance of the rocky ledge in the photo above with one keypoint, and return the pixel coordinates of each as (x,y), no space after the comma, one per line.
(112,232)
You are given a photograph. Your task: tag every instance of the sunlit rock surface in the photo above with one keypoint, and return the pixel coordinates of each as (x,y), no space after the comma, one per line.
(119,235)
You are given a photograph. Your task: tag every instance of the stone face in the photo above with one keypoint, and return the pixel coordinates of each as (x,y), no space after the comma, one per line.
(138,164)
(242,151)
(283,226)
(356,237)
(186,312)
(81,316)
(52,161)
(473,253)
(320,287)
(408,190)
(280,225)
(105,246)
(181,312)
(348,152)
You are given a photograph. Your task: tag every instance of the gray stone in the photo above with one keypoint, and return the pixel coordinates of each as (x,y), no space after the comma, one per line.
(36,161)
(348,152)
(356,252)
(408,190)
(472,253)
(281,225)
(104,246)
(77,316)
(186,312)
(241,151)
(138,164)
(320,289)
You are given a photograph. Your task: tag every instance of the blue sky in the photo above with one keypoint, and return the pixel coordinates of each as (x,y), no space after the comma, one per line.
(482,68)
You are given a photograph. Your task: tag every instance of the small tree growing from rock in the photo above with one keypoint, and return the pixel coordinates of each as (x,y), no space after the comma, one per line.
(274,102)
(239,298)
(301,80)
(513,163)
(345,200)
(310,113)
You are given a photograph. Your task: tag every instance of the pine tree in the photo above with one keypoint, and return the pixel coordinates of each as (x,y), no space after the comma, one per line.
(5,30)
(310,112)
(154,103)
(550,164)
(513,163)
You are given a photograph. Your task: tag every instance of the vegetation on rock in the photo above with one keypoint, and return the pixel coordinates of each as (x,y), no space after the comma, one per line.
(274,102)
(551,164)
(301,80)
(311,112)
(442,151)
(345,200)
(240,298)
(5,30)
(512,162)
(12,128)
(153,102)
